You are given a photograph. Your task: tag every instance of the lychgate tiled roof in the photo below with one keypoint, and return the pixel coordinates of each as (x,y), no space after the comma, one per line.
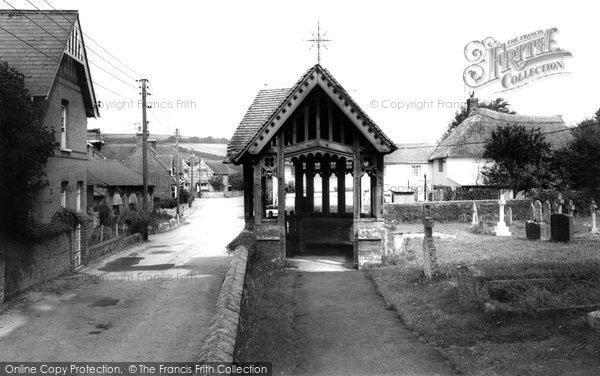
(268,104)
(258,113)
(409,153)
(468,139)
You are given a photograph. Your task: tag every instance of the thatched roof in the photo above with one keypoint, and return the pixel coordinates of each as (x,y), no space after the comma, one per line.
(468,139)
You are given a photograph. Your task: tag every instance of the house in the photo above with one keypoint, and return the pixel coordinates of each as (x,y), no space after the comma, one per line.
(405,172)
(48,48)
(119,187)
(457,161)
(161,167)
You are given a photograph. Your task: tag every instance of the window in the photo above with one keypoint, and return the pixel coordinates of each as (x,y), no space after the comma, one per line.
(416,170)
(79,190)
(63,194)
(441,165)
(174,191)
(63,125)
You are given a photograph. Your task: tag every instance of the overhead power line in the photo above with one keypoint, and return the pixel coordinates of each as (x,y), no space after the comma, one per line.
(65,44)
(98,44)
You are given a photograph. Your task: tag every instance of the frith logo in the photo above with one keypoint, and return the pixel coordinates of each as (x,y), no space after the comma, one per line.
(515,63)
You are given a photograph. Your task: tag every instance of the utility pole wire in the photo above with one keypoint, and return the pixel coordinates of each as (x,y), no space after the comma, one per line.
(65,44)
(98,44)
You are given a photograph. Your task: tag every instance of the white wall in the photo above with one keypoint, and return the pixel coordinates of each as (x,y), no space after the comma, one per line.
(458,171)
(400,177)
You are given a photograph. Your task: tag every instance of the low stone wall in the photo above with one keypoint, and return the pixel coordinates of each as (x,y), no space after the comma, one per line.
(31,262)
(219,345)
(110,246)
(166,226)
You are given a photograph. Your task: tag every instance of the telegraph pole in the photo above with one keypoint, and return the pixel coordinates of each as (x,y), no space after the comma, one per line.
(192,189)
(177,168)
(144,146)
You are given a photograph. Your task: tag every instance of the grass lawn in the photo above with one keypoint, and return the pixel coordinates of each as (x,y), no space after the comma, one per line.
(449,311)
(266,330)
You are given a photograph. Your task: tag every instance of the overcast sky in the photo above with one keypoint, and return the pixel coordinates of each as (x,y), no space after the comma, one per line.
(214,57)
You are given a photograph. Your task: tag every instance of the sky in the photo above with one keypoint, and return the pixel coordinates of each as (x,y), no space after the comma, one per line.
(206,60)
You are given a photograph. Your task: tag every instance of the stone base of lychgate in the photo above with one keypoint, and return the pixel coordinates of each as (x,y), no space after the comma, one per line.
(369,243)
(270,242)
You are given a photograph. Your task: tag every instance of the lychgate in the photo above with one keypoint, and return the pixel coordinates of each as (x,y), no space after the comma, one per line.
(313,170)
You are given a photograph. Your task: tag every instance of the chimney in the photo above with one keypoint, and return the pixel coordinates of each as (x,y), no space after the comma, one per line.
(472,103)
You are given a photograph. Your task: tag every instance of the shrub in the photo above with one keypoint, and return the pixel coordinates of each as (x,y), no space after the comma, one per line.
(453,211)
(245,238)
(137,221)
(167,203)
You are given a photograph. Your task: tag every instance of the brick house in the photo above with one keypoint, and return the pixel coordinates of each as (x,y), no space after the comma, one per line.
(54,63)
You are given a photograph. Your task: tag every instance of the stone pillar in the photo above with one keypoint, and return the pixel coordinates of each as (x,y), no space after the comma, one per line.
(593,208)
(501,228)
(430,265)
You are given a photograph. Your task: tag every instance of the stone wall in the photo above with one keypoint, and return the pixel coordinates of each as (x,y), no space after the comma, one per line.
(219,345)
(110,246)
(29,263)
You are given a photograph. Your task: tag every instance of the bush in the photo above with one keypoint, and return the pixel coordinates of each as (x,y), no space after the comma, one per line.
(245,238)
(475,193)
(137,221)
(581,199)
(453,211)
(167,203)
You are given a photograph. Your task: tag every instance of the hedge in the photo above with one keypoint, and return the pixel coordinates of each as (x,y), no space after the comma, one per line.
(454,211)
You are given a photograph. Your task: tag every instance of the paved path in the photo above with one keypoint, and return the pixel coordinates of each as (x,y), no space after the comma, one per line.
(343,328)
(151,302)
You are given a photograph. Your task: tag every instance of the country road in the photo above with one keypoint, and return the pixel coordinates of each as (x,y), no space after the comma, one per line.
(151,302)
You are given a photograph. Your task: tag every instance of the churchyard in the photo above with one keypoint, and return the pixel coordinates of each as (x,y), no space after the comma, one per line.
(500,305)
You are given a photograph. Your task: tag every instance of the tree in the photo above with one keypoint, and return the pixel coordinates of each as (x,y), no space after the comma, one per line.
(216,181)
(236,181)
(25,147)
(519,158)
(579,162)
(498,104)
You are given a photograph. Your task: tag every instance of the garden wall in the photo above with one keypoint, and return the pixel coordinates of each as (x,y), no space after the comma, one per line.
(454,211)
(31,262)
(113,245)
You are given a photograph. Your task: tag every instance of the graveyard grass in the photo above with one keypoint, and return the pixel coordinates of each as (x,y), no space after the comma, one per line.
(448,311)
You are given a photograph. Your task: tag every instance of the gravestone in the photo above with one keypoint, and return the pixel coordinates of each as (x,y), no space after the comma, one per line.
(508,217)
(475,217)
(559,206)
(533,230)
(546,211)
(430,265)
(532,210)
(593,208)
(560,228)
(537,211)
(501,229)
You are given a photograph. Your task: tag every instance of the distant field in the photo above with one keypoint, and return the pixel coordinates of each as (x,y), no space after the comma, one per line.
(216,149)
